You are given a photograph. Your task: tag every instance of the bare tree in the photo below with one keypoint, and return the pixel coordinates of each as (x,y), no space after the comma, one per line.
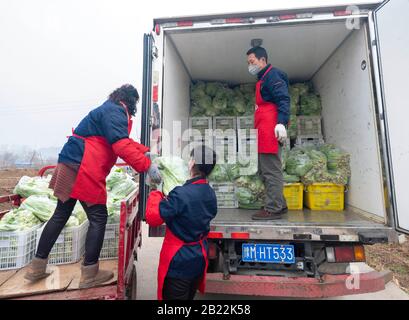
(7,159)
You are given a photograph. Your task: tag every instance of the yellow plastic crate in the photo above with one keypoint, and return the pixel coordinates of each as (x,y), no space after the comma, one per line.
(325,196)
(293,194)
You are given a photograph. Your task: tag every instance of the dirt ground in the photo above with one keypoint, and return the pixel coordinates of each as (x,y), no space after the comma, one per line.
(8,180)
(393,257)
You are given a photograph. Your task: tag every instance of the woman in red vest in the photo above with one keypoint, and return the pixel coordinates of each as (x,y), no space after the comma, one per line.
(83,165)
(187,212)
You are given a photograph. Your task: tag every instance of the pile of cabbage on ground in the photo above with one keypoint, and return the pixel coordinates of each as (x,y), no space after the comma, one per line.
(314,164)
(211,99)
(39,205)
(304,102)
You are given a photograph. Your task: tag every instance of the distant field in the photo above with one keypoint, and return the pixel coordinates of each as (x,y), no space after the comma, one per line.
(8,180)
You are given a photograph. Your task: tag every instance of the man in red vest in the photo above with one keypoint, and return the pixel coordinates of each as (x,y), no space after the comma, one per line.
(270,119)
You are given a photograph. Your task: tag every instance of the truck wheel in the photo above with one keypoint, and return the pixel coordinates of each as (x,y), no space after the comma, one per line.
(131,290)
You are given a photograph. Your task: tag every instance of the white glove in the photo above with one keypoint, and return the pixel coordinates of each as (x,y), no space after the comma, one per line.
(281,133)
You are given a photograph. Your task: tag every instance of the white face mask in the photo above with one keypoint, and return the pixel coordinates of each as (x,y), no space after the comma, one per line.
(254,69)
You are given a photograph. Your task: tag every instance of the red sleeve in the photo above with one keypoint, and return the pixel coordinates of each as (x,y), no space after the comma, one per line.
(132,153)
(152,213)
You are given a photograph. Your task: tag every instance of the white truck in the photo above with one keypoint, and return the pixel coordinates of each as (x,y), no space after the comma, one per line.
(356,58)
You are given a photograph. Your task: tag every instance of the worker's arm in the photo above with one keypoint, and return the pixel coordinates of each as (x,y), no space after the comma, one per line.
(172,205)
(115,128)
(277,85)
(152,213)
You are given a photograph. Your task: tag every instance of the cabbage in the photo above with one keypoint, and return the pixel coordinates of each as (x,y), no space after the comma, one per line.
(18,220)
(220,173)
(212,88)
(79,213)
(220,101)
(115,176)
(72,222)
(239,105)
(300,89)
(248,88)
(174,172)
(298,164)
(203,103)
(310,105)
(250,192)
(41,206)
(123,188)
(290,178)
(292,126)
(28,186)
(198,90)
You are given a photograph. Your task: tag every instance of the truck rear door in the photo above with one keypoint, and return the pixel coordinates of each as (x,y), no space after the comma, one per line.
(151,119)
(392,40)
(146,113)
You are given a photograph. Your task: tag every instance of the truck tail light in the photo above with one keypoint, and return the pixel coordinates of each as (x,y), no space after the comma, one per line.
(284,17)
(288,17)
(178,24)
(157,29)
(232,20)
(240,235)
(215,235)
(359,253)
(341,13)
(212,251)
(346,254)
(155,93)
(185,23)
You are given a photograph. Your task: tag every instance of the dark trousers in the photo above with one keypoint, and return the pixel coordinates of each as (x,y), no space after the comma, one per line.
(97,216)
(179,289)
(271,172)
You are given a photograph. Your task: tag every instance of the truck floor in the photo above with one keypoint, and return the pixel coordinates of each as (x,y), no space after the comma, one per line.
(63,278)
(346,218)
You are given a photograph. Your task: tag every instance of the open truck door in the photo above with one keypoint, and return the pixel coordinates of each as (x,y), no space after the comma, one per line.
(151,119)
(392,51)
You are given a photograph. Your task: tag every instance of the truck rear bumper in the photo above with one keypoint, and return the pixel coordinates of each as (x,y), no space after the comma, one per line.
(301,287)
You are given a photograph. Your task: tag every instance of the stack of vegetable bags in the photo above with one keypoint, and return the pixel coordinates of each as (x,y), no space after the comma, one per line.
(304,102)
(249,187)
(313,164)
(219,99)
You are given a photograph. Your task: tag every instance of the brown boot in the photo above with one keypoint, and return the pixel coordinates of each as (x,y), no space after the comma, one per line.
(37,270)
(91,276)
(266,215)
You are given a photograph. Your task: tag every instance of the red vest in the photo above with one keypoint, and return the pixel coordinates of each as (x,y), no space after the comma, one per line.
(97,161)
(265,121)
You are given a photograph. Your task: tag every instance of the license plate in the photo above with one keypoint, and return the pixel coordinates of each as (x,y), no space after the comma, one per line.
(268,253)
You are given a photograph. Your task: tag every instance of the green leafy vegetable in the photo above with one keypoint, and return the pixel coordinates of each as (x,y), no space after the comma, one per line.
(174,172)
(19,220)
(41,206)
(28,186)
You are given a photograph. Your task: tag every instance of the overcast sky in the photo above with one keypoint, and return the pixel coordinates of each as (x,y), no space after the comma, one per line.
(59,59)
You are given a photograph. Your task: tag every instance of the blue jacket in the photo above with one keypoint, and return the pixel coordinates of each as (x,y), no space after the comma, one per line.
(275,89)
(187,212)
(109,120)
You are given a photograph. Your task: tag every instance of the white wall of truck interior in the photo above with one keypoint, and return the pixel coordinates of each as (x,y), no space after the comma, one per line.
(348,106)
